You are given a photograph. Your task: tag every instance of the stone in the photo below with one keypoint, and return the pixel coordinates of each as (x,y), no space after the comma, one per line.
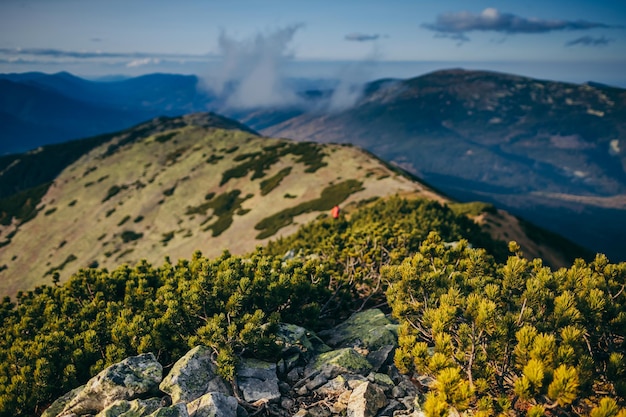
(257,380)
(287,403)
(397,392)
(57,406)
(319,411)
(213,404)
(381,358)
(426,382)
(340,406)
(366,400)
(307,342)
(317,382)
(355,382)
(241,411)
(301,413)
(176,410)
(134,408)
(369,329)
(391,408)
(333,387)
(409,388)
(294,375)
(341,361)
(192,376)
(382,380)
(284,387)
(133,377)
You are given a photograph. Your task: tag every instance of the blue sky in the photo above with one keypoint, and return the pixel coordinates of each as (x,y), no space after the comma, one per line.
(571,40)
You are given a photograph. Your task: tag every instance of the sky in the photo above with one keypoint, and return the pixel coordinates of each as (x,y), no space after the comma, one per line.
(565,40)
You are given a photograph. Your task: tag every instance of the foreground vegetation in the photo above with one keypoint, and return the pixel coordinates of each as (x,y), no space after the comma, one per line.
(501,335)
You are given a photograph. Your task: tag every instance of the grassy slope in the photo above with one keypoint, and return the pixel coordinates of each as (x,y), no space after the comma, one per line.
(161,195)
(151,184)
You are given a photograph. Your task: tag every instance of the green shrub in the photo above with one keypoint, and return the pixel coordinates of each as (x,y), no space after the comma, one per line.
(214,159)
(310,154)
(22,206)
(331,196)
(473,208)
(170,191)
(112,192)
(129,236)
(269,184)
(165,137)
(62,265)
(224,207)
(166,237)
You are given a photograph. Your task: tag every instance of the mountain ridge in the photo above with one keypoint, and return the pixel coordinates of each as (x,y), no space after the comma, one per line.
(501,138)
(175,185)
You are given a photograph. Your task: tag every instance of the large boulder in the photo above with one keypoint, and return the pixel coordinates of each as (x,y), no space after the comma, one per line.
(213,404)
(257,380)
(129,379)
(192,376)
(369,329)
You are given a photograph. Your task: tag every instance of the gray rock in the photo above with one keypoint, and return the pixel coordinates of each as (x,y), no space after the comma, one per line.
(192,376)
(381,358)
(284,387)
(287,403)
(382,380)
(58,406)
(369,329)
(319,411)
(426,382)
(397,392)
(333,387)
(317,382)
(213,404)
(126,380)
(409,388)
(391,408)
(307,342)
(257,380)
(341,361)
(366,400)
(176,410)
(294,375)
(134,408)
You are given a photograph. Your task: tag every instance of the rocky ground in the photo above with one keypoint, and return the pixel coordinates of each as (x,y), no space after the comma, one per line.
(347,370)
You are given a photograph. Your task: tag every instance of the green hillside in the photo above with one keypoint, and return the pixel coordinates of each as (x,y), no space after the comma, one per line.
(169,187)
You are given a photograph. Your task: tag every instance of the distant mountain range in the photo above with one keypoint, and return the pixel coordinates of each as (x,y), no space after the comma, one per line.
(39,109)
(553,153)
